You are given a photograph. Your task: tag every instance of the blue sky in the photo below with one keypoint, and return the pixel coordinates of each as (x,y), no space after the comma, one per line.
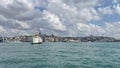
(60,17)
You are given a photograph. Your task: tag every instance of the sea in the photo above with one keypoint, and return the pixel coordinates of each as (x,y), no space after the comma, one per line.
(60,55)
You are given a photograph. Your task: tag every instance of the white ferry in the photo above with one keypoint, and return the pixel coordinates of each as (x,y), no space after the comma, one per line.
(37,39)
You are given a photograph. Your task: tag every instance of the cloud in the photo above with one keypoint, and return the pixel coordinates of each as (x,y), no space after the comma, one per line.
(59,17)
(2,29)
(53,21)
(106,10)
(110,9)
(112,29)
(53,16)
(12,8)
(89,14)
(11,23)
(90,29)
(80,4)
(115,1)
(117,8)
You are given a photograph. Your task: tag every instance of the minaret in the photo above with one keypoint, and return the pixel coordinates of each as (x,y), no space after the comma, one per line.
(3,39)
(39,32)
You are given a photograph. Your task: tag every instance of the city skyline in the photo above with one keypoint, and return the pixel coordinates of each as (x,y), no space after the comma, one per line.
(60,17)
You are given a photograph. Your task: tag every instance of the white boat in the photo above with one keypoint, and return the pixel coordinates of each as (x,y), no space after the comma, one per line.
(37,39)
(75,41)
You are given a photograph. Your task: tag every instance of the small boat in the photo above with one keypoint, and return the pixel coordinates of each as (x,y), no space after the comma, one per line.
(37,39)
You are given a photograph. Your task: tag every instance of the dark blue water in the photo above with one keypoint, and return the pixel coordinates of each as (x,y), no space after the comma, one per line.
(60,55)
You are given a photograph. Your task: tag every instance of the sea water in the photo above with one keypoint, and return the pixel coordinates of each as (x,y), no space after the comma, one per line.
(60,55)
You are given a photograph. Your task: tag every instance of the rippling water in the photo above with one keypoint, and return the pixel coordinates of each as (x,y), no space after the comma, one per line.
(60,55)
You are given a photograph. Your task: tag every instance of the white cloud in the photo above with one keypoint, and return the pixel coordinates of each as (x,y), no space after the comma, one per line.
(89,14)
(23,24)
(112,29)
(106,10)
(12,8)
(51,15)
(110,10)
(117,8)
(53,21)
(11,23)
(5,2)
(60,17)
(2,29)
(90,29)
(80,4)
(115,1)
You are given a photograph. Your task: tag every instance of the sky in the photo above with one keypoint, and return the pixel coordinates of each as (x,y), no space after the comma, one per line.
(60,17)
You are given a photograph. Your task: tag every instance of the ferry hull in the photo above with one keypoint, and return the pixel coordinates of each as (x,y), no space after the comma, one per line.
(37,43)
